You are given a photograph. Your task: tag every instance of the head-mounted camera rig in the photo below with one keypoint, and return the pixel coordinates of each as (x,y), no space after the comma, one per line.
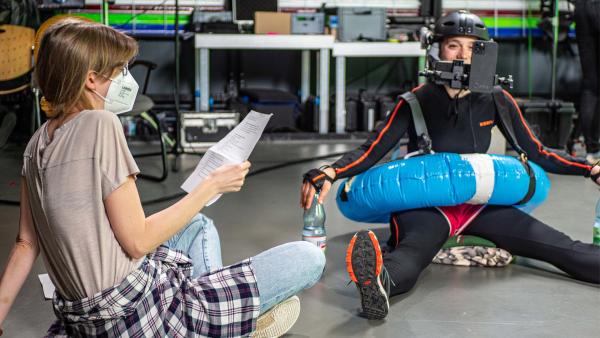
(479,76)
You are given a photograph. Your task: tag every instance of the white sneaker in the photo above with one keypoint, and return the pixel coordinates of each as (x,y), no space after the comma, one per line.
(278,320)
(593,158)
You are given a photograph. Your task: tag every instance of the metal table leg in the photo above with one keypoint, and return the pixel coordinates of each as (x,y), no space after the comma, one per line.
(340,94)
(196,79)
(204,79)
(305,83)
(324,91)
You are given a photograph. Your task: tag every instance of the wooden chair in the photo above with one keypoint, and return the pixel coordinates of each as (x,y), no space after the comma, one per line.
(16,65)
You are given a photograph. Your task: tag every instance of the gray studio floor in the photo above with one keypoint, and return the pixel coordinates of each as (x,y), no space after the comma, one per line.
(527,299)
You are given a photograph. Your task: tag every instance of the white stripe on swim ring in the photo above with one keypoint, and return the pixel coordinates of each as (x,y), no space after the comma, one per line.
(483,168)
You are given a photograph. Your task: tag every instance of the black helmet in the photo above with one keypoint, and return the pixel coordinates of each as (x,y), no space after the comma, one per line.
(460,23)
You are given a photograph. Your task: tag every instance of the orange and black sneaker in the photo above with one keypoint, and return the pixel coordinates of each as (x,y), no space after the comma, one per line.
(364,263)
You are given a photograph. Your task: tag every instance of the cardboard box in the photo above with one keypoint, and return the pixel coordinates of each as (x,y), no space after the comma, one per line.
(272,23)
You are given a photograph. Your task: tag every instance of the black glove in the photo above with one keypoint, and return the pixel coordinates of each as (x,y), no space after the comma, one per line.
(317,177)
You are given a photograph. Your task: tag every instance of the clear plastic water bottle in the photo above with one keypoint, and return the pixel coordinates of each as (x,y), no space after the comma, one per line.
(314,224)
(597,225)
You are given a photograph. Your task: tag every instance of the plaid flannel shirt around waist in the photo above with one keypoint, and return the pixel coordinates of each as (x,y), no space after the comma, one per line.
(160,299)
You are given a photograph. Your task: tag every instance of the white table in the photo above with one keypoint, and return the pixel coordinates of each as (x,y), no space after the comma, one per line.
(323,43)
(342,50)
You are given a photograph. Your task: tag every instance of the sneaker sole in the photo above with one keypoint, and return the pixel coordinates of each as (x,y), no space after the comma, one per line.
(278,320)
(364,262)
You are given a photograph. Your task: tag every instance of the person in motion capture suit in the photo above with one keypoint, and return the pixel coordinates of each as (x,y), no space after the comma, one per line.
(458,121)
(587,26)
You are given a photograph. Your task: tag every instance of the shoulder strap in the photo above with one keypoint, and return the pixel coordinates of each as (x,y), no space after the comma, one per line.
(424,141)
(505,123)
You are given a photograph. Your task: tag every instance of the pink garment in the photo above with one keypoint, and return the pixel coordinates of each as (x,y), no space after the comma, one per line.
(460,216)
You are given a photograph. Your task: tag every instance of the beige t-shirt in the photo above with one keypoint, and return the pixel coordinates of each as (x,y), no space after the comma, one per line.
(68,179)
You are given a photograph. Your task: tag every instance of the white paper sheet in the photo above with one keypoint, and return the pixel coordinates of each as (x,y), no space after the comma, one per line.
(47,286)
(234,148)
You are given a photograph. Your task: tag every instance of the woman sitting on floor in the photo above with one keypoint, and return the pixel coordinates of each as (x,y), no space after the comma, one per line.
(116,271)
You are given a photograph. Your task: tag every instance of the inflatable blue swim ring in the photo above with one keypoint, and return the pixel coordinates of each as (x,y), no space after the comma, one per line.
(442,179)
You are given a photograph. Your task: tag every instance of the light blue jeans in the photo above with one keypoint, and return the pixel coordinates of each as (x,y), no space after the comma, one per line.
(281,272)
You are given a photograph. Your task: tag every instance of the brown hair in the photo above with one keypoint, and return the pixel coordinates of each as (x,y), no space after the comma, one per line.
(68,51)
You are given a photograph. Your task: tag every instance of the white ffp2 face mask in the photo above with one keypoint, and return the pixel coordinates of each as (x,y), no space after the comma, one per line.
(121,94)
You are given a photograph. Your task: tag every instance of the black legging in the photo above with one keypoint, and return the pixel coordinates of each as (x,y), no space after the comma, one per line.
(422,233)
(587,25)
